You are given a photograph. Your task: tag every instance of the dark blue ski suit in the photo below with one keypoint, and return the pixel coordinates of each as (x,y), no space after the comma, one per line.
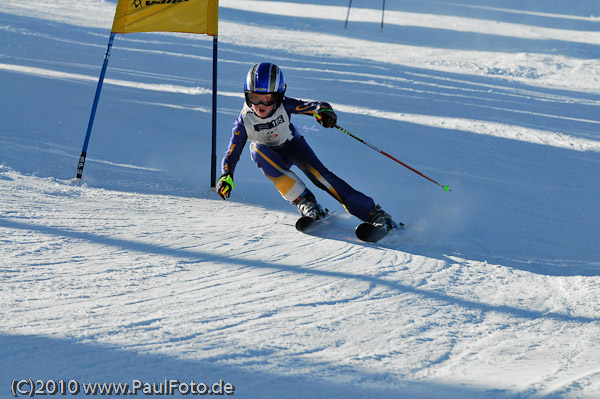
(276,146)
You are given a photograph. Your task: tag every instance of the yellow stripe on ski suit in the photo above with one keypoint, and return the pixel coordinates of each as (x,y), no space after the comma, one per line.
(288,184)
(230,151)
(324,182)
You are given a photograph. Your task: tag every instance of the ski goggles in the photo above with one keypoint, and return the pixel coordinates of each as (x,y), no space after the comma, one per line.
(260,98)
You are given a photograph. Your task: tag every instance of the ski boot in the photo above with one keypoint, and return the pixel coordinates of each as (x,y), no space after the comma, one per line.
(381,219)
(308,206)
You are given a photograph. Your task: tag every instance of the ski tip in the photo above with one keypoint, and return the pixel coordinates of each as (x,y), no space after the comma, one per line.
(369,233)
(304,223)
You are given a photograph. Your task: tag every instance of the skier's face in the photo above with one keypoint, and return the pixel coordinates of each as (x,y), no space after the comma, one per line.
(262,104)
(263,110)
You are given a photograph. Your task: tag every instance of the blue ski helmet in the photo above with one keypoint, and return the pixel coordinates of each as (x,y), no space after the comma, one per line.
(265,78)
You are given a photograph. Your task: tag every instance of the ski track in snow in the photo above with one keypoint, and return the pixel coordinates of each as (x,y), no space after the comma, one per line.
(143,273)
(137,282)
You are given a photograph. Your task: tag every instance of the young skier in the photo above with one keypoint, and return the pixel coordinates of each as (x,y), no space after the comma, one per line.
(276,145)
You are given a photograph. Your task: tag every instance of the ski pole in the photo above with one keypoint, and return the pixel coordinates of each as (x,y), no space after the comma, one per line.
(446,187)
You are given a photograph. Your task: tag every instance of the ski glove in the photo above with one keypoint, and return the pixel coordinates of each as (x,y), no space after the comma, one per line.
(224,185)
(326,117)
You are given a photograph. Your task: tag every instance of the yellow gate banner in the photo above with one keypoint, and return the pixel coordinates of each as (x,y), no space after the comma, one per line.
(189,16)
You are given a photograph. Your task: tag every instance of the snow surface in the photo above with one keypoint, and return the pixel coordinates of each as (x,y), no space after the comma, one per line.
(142,273)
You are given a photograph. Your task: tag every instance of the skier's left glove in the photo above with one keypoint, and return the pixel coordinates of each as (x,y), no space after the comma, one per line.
(326,117)
(224,185)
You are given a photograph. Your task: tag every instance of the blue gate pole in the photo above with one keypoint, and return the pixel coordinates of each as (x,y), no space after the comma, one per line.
(348,14)
(94,107)
(213,155)
(382,13)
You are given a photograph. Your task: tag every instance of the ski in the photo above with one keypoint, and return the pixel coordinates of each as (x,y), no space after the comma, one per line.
(304,223)
(364,231)
(369,233)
